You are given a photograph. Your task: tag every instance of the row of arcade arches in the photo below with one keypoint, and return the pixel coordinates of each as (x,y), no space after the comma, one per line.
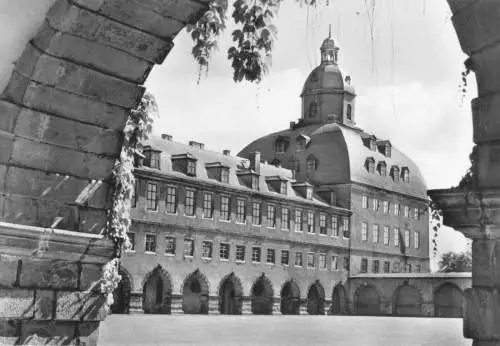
(407,301)
(157,295)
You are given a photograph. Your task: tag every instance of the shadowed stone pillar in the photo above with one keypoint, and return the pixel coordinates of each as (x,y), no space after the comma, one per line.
(246,306)
(276,306)
(303,307)
(213,305)
(328,307)
(176,308)
(474,209)
(136,303)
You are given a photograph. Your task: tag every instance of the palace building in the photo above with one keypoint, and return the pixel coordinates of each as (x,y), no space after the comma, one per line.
(283,226)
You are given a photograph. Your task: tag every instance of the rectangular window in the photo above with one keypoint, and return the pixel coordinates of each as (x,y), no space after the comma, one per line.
(364,265)
(152,197)
(416,215)
(131,238)
(407,211)
(322,224)
(285,218)
(396,236)
(191,168)
(150,245)
(335,262)
(346,233)
(298,221)
(396,209)
(224,251)
(225,208)
(375,204)
(375,234)
(270,258)
(396,267)
(407,238)
(364,231)
(271,216)
(387,267)
(171,200)
(206,249)
(311,260)
(365,202)
(188,247)
(256,213)
(240,253)
(418,268)
(240,210)
(310,222)
(322,261)
(386,235)
(298,259)
(189,202)
(285,257)
(224,175)
(409,270)
(335,226)
(135,193)
(386,207)
(208,205)
(170,245)
(256,254)
(416,240)
(346,263)
(376,266)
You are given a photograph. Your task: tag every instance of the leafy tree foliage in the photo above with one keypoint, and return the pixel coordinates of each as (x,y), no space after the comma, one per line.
(455,262)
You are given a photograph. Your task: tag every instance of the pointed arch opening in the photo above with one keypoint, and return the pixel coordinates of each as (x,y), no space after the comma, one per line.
(339,301)
(157,292)
(121,295)
(316,299)
(230,295)
(195,294)
(262,296)
(290,298)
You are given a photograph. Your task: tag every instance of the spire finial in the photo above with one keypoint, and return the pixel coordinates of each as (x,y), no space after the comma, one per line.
(329,31)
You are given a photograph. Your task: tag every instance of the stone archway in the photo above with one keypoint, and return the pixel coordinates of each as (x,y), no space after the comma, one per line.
(449,301)
(262,296)
(121,295)
(339,301)
(195,292)
(230,295)
(290,298)
(367,301)
(157,292)
(316,299)
(407,301)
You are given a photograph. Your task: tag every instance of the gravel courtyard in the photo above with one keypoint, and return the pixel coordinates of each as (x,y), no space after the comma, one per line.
(145,330)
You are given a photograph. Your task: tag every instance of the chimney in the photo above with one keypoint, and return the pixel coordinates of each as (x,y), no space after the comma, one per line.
(196,145)
(255,162)
(166,137)
(226,152)
(292,125)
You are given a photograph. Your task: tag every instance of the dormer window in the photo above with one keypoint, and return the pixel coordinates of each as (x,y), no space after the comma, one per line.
(309,193)
(405,174)
(370,165)
(281,144)
(151,157)
(384,147)
(395,173)
(302,141)
(313,108)
(370,141)
(277,184)
(184,163)
(218,171)
(305,189)
(373,145)
(312,163)
(382,168)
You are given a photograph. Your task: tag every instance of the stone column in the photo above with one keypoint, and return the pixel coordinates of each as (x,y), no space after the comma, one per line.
(303,307)
(246,306)
(428,309)
(328,307)
(213,305)
(276,306)
(136,303)
(386,306)
(176,307)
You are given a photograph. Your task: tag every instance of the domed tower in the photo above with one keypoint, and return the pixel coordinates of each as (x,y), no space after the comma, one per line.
(327,96)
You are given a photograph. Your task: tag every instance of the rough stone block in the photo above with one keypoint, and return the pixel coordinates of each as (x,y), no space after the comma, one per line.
(88,333)
(49,274)
(486,259)
(9,332)
(80,306)
(477,24)
(9,112)
(90,277)
(482,314)
(74,78)
(134,14)
(489,164)
(48,333)
(16,303)
(91,220)
(185,11)
(45,301)
(485,120)
(8,270)
(485,65)
(72,106)
(7,144)
(50,158)
(77,21)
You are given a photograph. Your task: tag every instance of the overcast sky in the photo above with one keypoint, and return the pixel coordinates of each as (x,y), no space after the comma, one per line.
(406,79)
